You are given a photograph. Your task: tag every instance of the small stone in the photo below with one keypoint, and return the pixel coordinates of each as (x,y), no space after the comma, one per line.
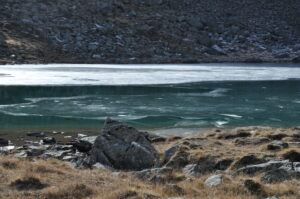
(96,56)
(37,134)
(147,173)
(93,46)
(213,181)
(69,158)
(193,170)
(49,140)
(55,154)
(101,166)
(80,135)
(7,148)
(35,152)
(22,154)
(218,49)
(59,147)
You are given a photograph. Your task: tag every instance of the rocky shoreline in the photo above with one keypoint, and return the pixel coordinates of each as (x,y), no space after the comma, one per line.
(161,31)
(259,158)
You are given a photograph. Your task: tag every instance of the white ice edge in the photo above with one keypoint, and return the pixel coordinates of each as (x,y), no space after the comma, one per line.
(91,74)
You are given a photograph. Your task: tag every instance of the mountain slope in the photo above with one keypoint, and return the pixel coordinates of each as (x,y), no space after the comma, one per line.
(150,31)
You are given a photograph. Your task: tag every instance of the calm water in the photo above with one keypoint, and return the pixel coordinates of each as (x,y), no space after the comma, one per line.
(149,96)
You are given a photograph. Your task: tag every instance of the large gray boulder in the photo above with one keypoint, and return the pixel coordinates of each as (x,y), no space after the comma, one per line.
(123,147)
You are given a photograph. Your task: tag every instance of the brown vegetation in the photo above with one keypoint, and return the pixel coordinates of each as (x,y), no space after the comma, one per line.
(54,179)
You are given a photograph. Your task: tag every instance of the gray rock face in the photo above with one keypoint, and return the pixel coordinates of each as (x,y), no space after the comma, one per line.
(282,53)
(90,139)
(123,147)
(176,157)
(223,164)
(213,181)
(193,170)
(170,152)
(251,141)
(251,170)
(147,173)
(247,160)
(275,176)
(82,146)
(55,154)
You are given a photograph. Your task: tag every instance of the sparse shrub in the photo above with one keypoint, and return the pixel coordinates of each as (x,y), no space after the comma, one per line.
(8,164)
(73,191)
(292,155)
(28,183)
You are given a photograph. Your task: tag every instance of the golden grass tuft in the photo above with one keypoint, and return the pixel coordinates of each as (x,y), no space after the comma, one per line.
(71,191)
(9,164)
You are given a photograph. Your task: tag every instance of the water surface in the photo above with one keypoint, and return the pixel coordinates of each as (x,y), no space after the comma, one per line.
(149,96)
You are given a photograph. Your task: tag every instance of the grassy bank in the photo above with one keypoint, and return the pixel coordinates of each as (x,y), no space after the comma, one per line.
(55,179)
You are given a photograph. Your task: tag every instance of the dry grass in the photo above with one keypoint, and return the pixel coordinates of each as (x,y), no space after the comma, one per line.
(64,182)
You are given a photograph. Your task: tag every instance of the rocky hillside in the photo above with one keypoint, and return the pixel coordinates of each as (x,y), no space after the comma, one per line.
(149,31)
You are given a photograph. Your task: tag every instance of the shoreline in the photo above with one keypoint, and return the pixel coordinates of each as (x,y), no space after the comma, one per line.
(250,60)
(65,134)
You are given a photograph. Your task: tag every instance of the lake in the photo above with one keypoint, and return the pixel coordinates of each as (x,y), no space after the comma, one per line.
(166,98)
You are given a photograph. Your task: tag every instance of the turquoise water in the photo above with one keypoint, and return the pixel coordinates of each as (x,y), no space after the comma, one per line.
(149,96)
(203,105)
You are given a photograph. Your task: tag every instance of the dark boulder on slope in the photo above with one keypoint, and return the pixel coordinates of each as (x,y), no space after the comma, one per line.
(49,140)
(82,145)
(3,142)
(123,147)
